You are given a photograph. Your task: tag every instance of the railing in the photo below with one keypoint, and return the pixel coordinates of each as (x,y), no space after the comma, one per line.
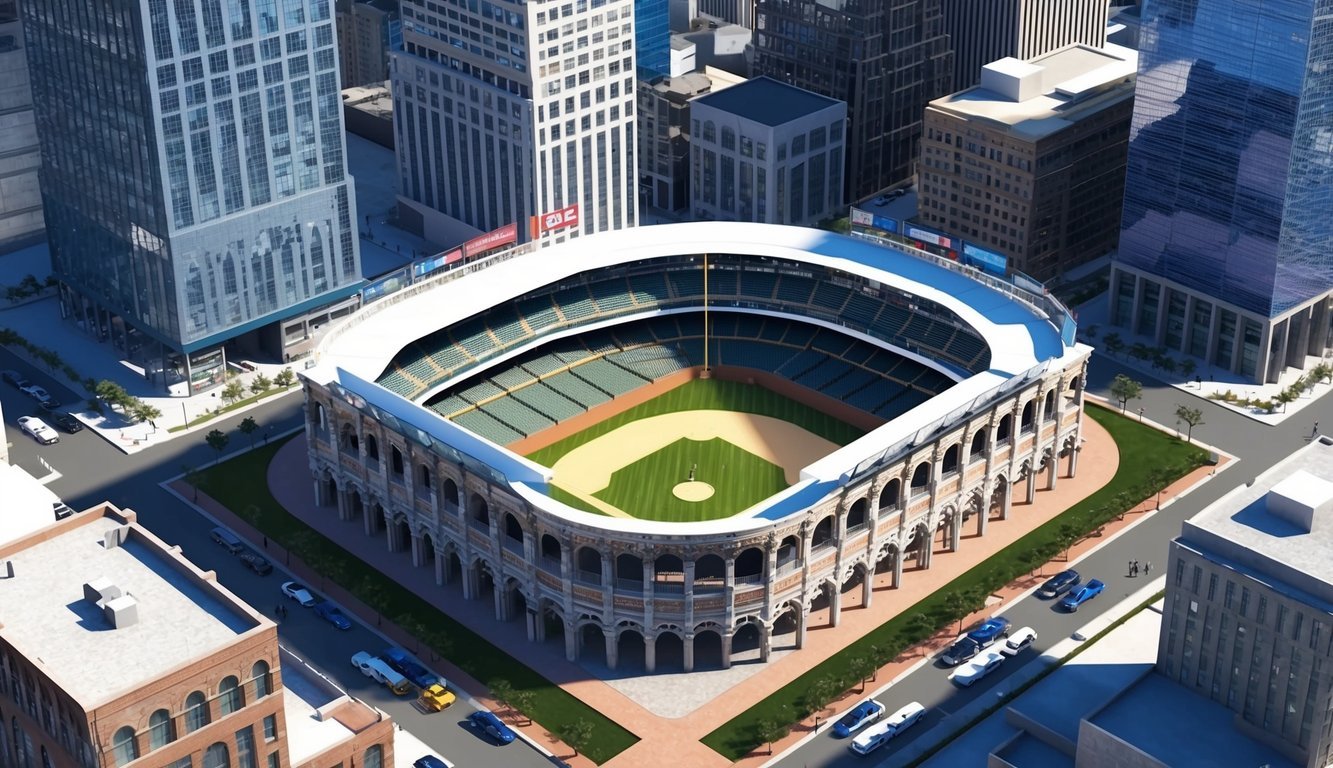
(549,564)
(593,578)
(512,545)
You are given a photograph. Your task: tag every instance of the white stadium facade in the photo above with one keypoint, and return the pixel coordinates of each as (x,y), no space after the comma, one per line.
(1002,417)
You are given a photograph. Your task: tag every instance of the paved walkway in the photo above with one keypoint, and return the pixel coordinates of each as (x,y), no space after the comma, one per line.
(673,742)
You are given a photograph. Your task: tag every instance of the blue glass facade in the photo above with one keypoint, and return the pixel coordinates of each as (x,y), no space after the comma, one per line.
(652,39)
(1229,189)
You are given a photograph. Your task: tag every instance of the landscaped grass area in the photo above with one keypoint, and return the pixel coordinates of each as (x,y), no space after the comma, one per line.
(739,479)
(711,394)
(1149,460)
(239,485)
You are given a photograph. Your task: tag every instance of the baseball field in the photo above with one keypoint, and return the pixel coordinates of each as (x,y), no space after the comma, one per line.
(704,450)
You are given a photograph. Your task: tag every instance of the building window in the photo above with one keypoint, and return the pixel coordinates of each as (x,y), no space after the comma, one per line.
(124,746)
(259,672)
(270,728)
(275,760)
(159,729)
(230,697)
(374,757)
(196,712)
(217,756)
(245,749)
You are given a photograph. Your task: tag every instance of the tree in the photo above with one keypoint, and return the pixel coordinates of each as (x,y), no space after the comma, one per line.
(247,427)
(1284,397)
(1113,343)
(961,603)
(111,393)
(141,411)
(260,384)
(1067,536)
(232,392)
(522,701)
(1124,389)
(921,626)
(1168,364)
(1090,331)
(285,378)
(1140,351)
(1158,479)
(772,729)
(820,692)
(217,440)
(864,668)
(193,478)
(577,734)
(1191,416)
(502,691)
(1188,367)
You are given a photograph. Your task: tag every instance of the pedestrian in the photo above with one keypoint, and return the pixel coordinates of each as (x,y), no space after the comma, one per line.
(277,611)
(1314,430)
(1147,566)
(1134,568)
(1130,568)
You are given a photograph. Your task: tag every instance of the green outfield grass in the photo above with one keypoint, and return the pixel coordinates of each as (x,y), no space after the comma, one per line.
(739,479)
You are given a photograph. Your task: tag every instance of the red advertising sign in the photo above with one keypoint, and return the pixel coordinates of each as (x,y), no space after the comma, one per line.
(565,217)
(452,256)
(506,235)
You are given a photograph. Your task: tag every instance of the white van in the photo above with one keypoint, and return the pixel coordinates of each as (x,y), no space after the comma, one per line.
(879,734)
(376,669)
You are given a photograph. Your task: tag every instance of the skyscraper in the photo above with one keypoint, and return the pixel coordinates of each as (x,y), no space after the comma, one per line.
(652,39)
(982,31)
(192,168)
(1224,250)
(505,111)
(885,58)
(20,194)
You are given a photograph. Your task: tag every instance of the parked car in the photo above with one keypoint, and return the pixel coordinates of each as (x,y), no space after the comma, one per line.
(48,404)
(898,192)
(256,562)
(977,668)
(36,392)
(429,761)
(1019,641)
(881,201)
(333,615)
(374,668)
(40,430)
(1082,595)
(436,697)
(880,733)
(489,724)
(15,378)
(227,540)
(298,593)
(1059,584)
(962,649)
(410,667)
(990,630)
(66,422)
(860,716)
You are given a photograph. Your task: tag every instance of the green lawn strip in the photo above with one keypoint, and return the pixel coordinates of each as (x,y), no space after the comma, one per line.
(238,485)
(224,410)
(739,479)
(1143,452)
(1010,696)
(710,394)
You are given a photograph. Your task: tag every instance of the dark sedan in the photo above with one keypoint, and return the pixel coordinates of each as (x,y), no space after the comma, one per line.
(66,422)
(1059,584)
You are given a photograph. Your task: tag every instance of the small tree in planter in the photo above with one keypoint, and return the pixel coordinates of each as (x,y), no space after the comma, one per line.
(285,378)
(261,384)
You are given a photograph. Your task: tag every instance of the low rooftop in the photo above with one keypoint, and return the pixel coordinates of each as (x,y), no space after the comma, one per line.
(319,714)
(1251,527)
(179,614)
(1039,97)
(767,101)
(28,504)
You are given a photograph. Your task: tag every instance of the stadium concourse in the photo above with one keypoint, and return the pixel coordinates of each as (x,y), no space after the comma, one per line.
(969,392)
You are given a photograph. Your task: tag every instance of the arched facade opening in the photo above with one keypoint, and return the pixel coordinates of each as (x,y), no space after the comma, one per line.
(513,529)
(160,729)
(921,478)
(629,650)
(402,533)
(259,675)
(479,510)
(348,439)
(709,569)
(823,535)
(372,448)
(856,516)
(196,711)
(216,756)
(789,551)
(889,497)
(668,564)
(425,477)
(750,564)
(949,463)
(670,652)
(629,568)
(1029,417)
(550,547)
(449,492)
(124,746)
(589,563)
(592,644)
(395,461)
(230,696)
(1004,430)
(373,757)
(1048,412)
(887,568)
(708,649)
(978,450)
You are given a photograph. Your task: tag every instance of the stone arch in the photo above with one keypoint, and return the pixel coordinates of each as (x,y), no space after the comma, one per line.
(669,563)
(372,448)
(550,547)
(823,533)
(751,563)
(856,516)
(449,491)
(978,449)
(999,498)
(1029,417)
(668,650)
(425,477)
(591,641)
(747,638)
(1048,411)
(708,647)
(629,567)
(427,549)
(892,493)
(377,519)
(513,528)
(630,646)
(1004,430)
(588,561)
(918,547)
(788,619)
(921,478)
(396,463)
(709,567)
(321,416)
(479,510)
(888,566)
(951,459)
(348,439)
(402,533)
(789,550)
(516,600)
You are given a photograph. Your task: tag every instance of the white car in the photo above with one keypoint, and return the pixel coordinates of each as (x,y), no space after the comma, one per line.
(40,430)
(880,733)
(298,593)
(977,668)
(1019,641)
(36,392)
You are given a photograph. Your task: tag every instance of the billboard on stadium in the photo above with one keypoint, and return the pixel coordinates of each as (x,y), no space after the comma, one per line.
(434,263)
(496,238)
(391,283)
(553,220)
(930,236)
(989,261)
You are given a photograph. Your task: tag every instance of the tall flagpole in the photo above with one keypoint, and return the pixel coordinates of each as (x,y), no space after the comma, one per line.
(706,369)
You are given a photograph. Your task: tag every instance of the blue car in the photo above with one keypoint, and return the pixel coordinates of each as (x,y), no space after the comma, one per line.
(1082,595)
(429,761)
(330,613)
(409,667)
(489,724)
(862,714)
(990,630)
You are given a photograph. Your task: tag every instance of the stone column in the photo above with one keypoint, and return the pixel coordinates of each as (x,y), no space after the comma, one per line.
(729,590)
(687,597)
(835,605)
(955,530)
(470,581)
(801,621)
(608,593)
(867,586)
(1031,492)
(612,647)
(649,574)
(766,642)
(537,622)
(687,648)
(417,560)
(439,567)
(726,648)
(571,641)
(1074,451)
(500,603)
(898,567)
(1053,468)
(649,653)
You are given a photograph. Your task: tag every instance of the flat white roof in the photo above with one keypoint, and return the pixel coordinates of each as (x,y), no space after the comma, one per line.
(182,617)
(28,505)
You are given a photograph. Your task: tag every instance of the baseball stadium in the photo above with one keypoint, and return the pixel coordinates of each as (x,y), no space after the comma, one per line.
(669,445)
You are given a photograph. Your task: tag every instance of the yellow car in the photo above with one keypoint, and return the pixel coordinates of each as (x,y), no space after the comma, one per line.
(436,697)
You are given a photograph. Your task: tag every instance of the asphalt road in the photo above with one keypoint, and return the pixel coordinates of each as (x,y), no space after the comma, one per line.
(93,471)
(1257,446)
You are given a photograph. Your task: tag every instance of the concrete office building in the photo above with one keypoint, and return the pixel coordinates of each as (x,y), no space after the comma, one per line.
(368,30)
(1031,163)
(508,111)
(739,12)
(1248,621)
(767,152)
(209,198)
(982,31)
(664,139)
(886,60)
(20,193)
(1224,250)
(117,651)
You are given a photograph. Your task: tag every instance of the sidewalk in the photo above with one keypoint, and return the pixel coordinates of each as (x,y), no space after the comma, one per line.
(676,741)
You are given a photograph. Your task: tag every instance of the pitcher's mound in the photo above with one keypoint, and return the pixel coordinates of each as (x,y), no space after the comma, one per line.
(692,491)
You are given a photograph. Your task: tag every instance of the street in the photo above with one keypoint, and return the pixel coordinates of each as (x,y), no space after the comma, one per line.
(93,471)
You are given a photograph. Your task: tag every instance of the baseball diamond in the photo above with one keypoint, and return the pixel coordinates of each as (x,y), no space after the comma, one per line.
(501,426)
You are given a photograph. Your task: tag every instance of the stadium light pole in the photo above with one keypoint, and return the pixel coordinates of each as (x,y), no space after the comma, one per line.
(706,340)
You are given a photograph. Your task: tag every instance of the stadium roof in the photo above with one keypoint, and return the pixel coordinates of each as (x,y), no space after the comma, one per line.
(1020,337)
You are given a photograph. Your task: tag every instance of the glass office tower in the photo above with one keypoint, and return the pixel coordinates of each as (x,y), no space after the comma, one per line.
(193,167)
(652,39)
(1228,218)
